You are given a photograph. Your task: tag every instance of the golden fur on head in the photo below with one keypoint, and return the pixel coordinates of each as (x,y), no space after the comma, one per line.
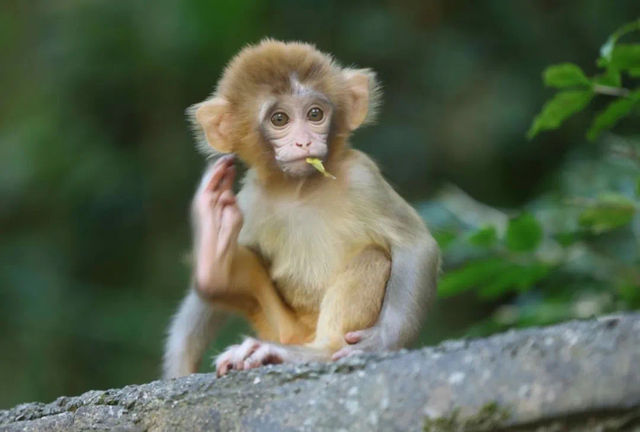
(266,69)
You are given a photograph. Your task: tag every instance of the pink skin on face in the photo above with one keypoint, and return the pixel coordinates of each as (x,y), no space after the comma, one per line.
(297,126)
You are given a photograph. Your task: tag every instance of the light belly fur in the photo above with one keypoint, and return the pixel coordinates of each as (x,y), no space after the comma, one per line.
(304,246)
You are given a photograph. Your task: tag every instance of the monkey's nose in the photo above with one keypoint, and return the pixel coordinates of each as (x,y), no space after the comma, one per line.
(303,145)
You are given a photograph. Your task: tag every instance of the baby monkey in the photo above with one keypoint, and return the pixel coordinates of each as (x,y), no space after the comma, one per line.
(322,268)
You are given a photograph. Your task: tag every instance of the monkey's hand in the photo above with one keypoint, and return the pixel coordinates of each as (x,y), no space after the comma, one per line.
(218,220)
(358,342)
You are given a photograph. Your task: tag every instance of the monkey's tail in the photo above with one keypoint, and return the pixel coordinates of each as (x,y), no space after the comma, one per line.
(191,330)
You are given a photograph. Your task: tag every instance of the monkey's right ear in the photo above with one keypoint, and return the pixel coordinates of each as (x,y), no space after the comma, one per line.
(214,118)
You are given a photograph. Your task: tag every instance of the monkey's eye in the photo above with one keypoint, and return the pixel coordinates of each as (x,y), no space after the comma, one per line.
(315,114)
(279,119)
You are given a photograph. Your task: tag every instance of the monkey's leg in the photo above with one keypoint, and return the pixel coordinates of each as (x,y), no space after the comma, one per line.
(352,302)
(251,292)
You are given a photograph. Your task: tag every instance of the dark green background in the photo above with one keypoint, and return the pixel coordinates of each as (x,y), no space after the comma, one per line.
(97,165)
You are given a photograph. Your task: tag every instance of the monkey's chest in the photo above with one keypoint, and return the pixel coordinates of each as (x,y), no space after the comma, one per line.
(305,248)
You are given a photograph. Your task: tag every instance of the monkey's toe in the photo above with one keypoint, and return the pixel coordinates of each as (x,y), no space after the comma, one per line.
(265,355)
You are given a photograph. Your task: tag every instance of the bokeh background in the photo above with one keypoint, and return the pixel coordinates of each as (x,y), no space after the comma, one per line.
(97,163)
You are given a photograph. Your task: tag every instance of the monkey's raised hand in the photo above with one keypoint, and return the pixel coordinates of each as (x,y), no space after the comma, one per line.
(218,221)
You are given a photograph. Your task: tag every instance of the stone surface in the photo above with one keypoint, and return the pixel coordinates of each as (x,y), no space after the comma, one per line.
(578,376)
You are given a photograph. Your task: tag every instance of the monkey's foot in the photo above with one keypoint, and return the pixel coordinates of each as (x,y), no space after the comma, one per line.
(250,354)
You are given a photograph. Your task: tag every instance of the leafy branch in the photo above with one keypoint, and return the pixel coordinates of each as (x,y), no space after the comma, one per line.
(577,250)
(617,61)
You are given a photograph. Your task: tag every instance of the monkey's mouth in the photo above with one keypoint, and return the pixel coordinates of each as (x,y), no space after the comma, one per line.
(302,159)
(298,167)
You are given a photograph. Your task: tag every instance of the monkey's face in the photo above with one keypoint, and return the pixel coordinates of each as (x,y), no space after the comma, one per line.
(278,104)
(297,127)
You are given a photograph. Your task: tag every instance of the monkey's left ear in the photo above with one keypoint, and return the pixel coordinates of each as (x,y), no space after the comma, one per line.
(364,96)
(214,118)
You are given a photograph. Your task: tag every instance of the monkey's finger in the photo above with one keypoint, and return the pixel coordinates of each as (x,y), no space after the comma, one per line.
(223,198)
(338,355)
(342,353)
(266,354)
(346,352)
(223,361)
(248,347)
(216,177)
(224,159)
(255,359)
(223,369)
(354,337)
(227,181)
(226,198)
(219,171)
(226,214)
(217,218)
(230,226)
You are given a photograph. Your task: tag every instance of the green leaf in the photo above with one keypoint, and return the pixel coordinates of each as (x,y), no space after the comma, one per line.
(470,276)
(564,75)
(605,52)
(610,78)
(612,114)
(483,237)
(492,277)
(516,277)
(524,233)
(558,109)
(607,49)
(625,57)
(612,211)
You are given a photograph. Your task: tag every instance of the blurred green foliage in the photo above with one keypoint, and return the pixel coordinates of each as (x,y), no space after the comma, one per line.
(574,251)
(97,165)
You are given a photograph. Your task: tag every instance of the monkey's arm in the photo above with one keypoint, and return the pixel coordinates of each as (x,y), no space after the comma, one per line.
(410,290)
(227,273)
(250,291)
(415,263)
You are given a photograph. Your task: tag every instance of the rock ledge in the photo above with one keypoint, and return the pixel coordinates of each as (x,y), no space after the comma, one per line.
(577,376)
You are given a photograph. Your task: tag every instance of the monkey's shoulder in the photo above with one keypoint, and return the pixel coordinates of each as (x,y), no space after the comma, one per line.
(360,171)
